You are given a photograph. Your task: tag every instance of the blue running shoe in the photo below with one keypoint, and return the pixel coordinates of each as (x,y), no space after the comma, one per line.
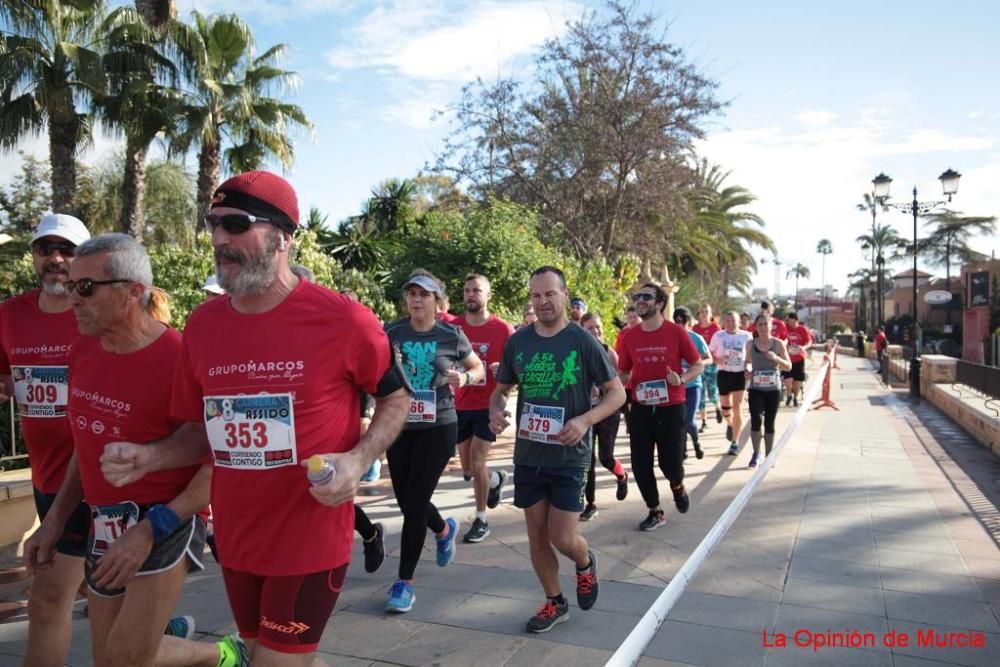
(374,472)
(180,626)
(446,544)
(401,598)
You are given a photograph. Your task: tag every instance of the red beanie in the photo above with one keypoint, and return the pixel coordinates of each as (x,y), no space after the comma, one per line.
(263,194)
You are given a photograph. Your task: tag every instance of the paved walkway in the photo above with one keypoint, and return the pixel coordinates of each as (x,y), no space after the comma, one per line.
(879,518)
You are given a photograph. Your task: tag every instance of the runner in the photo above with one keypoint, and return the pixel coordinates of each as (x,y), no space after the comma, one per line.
(443,308)
(487,334)
(728,348)
(881,343)
(746,323)
(778,328)
(429,352)
(555,364)
(605,432)
(36,331)
(577,309)
(269,376)
(692,390)
(799,341)
(528,317)
(764,358)
(706,327)
(631,320)
(211,288)
(631,317)
(651,356)
(144,538)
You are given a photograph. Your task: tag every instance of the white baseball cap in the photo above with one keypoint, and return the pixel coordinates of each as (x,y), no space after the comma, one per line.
(212,285)
(61,225)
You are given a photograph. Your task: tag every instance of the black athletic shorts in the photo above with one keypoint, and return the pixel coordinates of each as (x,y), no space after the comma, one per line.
(475,423)
(188,541)
(562,487)
(73,541)
(798,372)
(729,382)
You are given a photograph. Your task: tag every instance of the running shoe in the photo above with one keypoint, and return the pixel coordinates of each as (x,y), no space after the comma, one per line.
(733,448)
(467,477)
(493,498)
(479,531)
(795,401)
(233,652)
(703,426)
(729,433)
(446,544)
(374,549)
(653,521)
(587,585)
(588,513)
(718,415)
(401,598)
(374,472)
(210,541)
(180,626)
(622,491)
(753,460)
(681,499)
(550,615)
(699,453)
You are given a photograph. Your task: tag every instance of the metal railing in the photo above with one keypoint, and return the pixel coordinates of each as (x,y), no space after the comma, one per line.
(8,441)
(983,380)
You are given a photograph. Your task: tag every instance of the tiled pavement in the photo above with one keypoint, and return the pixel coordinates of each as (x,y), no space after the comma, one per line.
(880,518)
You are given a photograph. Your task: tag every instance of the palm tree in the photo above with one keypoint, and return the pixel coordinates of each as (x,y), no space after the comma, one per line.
(390,208)
(824,248)
(231,104)
(143,101)
(885,243)
(720,242)
(156,13)
(800,270)
(949,239)
(50,72)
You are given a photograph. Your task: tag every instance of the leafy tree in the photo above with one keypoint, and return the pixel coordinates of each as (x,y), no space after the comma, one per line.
(824,248)
(596,142)
(27,197)
(949,240)
(181,272)
(156,13)
(50,71)
(800,270)
(231,111)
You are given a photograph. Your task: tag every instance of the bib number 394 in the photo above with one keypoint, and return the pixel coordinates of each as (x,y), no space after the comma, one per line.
(254,432)
(541,423)
(653,392)
(109,523)
(423,407)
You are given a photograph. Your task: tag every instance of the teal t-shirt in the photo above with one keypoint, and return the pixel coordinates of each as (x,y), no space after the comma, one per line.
(702,347)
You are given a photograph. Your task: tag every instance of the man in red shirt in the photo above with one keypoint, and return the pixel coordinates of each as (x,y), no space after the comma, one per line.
(36,331)
(487,334)
(799,340)
(881,343)
(143,537)
(650,355)
(270,375)
(778,328)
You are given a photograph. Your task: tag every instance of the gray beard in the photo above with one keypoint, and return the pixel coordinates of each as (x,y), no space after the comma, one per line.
(256,274)
(51,287)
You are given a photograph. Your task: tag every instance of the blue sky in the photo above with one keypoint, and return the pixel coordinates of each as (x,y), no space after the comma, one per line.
(823,96)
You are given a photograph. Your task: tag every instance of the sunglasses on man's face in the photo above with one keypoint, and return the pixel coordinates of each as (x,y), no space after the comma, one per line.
(233,223)
(85,286)
(642,296)
(44,248)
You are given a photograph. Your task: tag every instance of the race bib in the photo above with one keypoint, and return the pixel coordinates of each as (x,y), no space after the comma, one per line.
(423,407)
(653,392)
(251,432)
(110,522)
(794,349)
(541,423)
(764,379)
(734,358)
(41,391)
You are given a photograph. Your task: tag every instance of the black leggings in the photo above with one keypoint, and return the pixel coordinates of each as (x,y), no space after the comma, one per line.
(763,407)
(605,432)
(416,461)
(663,427)
(363,526)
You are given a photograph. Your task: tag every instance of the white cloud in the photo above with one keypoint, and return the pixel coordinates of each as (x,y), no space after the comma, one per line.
(816,119)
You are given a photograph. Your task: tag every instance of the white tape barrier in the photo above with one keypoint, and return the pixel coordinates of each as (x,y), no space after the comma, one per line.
(631,650)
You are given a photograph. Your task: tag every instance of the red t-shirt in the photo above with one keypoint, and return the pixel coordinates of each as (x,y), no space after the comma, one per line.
(447,318)
(125,397)
(273,389)
(487,342)
(880,339)
(779,329)
(649,355)
(34,350)
(801,337)
(706,332)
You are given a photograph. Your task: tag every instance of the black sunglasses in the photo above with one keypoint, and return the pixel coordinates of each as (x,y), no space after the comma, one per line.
(44,248)
(85,286)
(642,296)
(233,223)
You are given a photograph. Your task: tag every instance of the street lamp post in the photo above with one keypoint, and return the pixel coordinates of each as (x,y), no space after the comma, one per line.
(949,186)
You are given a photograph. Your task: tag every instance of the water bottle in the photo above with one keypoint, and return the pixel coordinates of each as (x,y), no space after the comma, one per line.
(319,470)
